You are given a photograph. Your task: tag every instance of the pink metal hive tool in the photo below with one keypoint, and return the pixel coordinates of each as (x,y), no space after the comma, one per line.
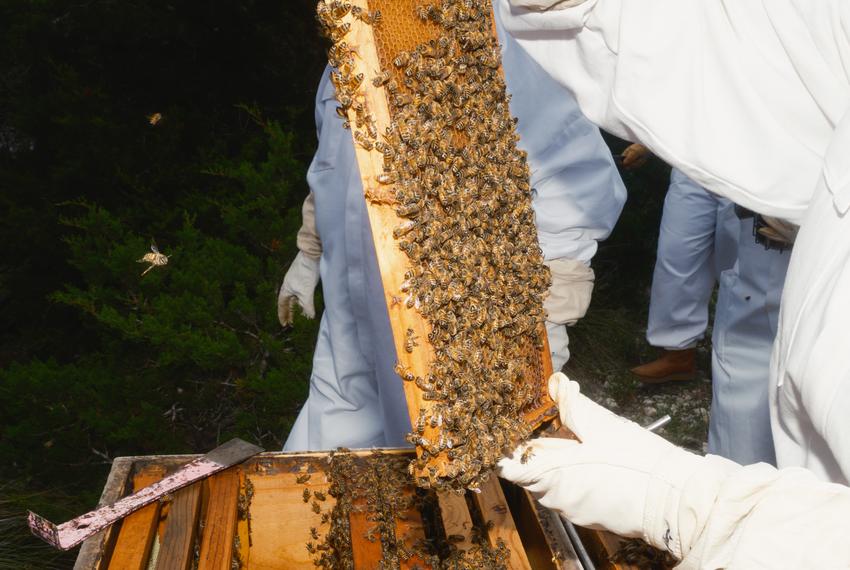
(69,534)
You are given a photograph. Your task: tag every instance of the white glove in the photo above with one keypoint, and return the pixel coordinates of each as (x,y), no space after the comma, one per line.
(620,477)
(299,287)
(570,292)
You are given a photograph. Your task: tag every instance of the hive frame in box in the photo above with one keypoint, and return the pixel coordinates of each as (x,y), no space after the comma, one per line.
(539,533)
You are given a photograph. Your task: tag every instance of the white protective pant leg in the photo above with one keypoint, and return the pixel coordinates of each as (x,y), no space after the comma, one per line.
(745,325)
(697,241)
(810,380)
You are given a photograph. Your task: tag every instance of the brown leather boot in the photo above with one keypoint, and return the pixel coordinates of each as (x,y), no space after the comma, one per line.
(672,365)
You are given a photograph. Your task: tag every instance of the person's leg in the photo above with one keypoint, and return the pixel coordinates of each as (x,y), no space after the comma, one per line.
(683,279)
(744,330)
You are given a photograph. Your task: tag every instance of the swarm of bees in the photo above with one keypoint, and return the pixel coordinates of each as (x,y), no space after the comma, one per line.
(379,486)
(455,176)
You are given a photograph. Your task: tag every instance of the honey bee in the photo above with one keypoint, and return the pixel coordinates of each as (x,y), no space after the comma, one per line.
(314,506)
(339,9)
(381,78)
(402,59)
(374,18)
(319,495)
(354,82)
(314,533)
(404,372)
(387,178)
(410,340)
(361,139)
(402,230)
(301,479)
(387,150)
(305,496)
(154,258)
(339,32)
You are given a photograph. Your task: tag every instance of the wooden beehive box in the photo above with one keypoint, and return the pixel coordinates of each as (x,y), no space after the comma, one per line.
(254,516)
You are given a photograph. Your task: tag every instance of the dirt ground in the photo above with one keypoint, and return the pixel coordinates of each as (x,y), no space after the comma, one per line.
(600,363)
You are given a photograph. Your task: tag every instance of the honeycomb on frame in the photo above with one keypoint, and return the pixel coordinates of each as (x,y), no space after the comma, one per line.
(420,86)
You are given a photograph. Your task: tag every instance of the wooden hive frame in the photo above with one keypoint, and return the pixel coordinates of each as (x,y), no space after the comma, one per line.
(374,47)
(257,509)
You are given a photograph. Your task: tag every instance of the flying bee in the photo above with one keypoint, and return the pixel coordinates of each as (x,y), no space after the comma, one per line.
(410,340)
(154,258)
(153,120)
(526,455)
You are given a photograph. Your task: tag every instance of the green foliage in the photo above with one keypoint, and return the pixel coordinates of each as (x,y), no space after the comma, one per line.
(97,361)
(185,355)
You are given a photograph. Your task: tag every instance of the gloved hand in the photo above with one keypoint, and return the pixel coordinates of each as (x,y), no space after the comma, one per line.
(299,283)
(570,292)
(635,156)
(299,287)
(620,477)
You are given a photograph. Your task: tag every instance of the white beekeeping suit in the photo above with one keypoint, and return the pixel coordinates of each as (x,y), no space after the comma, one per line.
(681,76)
(356,399)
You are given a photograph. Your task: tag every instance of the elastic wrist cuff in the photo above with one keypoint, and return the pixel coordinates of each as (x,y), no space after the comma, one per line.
(663,495)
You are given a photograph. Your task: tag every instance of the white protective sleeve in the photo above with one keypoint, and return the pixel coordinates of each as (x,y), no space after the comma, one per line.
(762,517)
(308,236)
(699,83)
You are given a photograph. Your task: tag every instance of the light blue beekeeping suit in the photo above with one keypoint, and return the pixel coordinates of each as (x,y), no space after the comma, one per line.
(745,326)
(356,399)
(578,193)
(697,241)
(701,239)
